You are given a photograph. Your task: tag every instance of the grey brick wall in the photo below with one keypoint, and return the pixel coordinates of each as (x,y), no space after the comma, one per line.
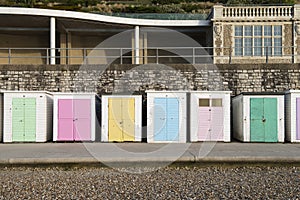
(136,79)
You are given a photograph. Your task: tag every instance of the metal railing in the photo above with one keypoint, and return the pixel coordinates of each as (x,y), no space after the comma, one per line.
(162,55)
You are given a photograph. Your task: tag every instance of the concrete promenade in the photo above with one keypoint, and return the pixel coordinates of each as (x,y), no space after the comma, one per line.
(118,153)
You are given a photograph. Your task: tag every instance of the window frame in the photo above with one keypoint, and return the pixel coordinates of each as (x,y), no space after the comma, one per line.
(276,47)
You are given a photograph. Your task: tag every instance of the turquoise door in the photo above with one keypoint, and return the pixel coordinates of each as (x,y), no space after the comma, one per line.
(263,120)
(166,119)
(23,119)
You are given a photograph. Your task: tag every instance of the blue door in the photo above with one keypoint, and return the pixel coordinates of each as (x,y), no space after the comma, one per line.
(172,119)
(166,119)
(160,119)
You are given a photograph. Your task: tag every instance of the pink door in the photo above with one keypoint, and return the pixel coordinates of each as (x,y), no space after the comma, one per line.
(204,119)
(82,119)
(298,119)
(74,119)
(204,123)
(65,120)
(210,115)
(217,123)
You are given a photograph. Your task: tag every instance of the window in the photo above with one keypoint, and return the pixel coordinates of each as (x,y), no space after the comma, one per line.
(207,103)
(216,102)
(203,102)
(258,40)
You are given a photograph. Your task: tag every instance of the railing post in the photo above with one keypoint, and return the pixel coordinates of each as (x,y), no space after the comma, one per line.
(9,55)
(121,56)
(47,56)
(193,55)
(267,54)
(84,56)
(230,54)
(156,55)
(293,54)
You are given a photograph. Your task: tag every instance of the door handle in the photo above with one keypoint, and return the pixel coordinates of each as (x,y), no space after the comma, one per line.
(263,120)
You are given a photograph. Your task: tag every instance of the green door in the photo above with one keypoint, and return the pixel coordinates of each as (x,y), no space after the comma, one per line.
(30,120)
(18,120)
(263,119)
(270,111)
(23,119)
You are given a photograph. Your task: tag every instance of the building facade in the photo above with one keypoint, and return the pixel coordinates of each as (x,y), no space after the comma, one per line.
(256,34)
(251,34)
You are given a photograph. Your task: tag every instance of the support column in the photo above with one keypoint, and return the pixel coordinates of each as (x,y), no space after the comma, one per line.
(137,44)
(52,41)
(145,46)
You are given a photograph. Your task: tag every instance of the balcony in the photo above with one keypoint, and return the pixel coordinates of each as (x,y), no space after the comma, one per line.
(156,55)
(246,13)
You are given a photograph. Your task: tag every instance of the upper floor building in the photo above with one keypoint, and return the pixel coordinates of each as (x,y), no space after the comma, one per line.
(256,34)
(229,34)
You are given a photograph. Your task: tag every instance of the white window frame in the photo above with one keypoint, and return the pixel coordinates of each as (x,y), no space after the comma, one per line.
(263,37)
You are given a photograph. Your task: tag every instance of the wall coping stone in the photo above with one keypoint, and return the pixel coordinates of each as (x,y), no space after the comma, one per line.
(126,67)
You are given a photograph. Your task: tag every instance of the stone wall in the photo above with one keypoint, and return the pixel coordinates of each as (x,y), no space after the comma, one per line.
(136,79)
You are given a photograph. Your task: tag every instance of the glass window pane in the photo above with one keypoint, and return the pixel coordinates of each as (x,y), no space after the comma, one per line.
(277,31)
(203,102)
(257,30)
(238,43)
(248,30)
(216,103)
(248,46)
(257,46)
(277,47)
(268,46)
(267,31)
(238,31)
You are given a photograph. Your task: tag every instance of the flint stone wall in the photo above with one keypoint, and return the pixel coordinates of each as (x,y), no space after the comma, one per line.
(136,79)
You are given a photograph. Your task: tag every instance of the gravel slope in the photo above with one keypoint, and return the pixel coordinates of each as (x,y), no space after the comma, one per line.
(166,183)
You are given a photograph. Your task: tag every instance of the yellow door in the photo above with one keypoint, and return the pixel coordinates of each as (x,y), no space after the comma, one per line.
(121,119)
(115,119)
(128,111)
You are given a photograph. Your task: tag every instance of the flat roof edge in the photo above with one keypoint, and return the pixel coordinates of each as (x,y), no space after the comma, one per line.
(100,18)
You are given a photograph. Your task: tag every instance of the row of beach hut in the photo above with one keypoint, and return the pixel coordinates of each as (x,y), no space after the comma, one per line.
(172,116)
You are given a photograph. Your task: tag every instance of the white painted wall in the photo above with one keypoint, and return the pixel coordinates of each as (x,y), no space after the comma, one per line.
(90,96)
(194,116)
(182,97)
(291,115)
(138,116)
(42,113)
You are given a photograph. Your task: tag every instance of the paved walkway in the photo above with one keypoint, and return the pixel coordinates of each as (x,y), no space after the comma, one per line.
(86,153)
